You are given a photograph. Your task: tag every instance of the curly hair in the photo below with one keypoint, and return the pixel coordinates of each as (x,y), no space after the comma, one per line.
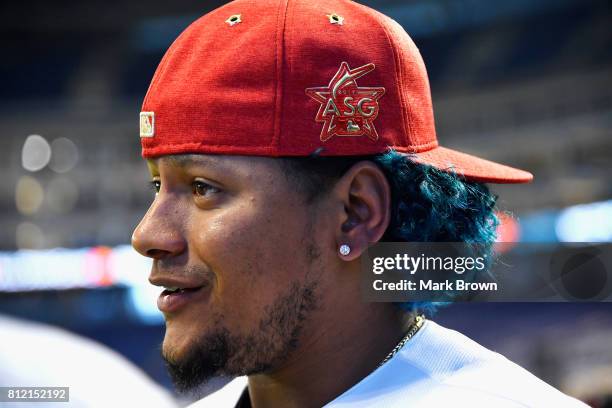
(428,204)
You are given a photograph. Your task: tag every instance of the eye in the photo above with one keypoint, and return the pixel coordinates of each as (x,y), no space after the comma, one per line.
(202,188)
(155,185)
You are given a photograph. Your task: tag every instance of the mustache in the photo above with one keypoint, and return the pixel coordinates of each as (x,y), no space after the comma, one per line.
(172,268)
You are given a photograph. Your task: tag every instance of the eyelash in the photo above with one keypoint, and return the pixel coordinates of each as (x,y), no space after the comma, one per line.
(156,185)
(208,187)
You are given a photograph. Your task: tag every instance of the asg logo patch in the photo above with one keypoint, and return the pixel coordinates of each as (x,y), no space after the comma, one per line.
(347,109)
(147,124)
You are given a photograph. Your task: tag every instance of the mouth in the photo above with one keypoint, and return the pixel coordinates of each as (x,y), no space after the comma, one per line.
(172,299)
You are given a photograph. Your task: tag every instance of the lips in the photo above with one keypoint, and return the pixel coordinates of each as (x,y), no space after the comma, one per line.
(179,290)
(173,299)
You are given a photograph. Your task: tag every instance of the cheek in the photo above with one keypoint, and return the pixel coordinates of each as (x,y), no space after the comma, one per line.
(254,251)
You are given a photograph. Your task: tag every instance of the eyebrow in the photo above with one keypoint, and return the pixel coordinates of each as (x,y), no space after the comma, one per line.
(191,160)
(182,161)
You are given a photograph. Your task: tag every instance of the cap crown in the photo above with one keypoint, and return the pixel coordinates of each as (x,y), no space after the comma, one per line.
(261,83)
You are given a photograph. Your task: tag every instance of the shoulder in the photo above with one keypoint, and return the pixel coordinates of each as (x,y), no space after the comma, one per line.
(441,367)
(61,358)
(437,367)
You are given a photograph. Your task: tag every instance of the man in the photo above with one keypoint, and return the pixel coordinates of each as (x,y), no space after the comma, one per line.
(283,138)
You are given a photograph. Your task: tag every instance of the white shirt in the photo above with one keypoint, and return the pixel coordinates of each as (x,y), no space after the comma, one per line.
(438,367)
(37,355)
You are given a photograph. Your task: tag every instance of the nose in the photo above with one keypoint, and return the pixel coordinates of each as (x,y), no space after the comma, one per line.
(158,235)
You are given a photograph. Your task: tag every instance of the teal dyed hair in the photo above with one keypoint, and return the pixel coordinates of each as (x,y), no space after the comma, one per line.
(431,205)
(428,204)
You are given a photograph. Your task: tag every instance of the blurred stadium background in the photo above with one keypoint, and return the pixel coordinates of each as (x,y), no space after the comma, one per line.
(522,82)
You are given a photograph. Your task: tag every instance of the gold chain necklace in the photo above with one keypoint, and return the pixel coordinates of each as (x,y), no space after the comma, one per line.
(414,328)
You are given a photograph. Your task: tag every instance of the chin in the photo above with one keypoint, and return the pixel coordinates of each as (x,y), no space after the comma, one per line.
(176,345)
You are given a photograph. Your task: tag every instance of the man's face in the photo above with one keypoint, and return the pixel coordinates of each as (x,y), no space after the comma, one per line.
(236,232)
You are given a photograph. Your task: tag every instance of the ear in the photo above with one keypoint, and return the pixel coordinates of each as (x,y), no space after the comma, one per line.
(363,199)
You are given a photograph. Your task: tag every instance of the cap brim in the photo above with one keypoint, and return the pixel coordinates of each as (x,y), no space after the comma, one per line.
(471,167)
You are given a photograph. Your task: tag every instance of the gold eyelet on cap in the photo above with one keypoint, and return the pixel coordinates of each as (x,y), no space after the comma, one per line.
(335,18)
(233,20)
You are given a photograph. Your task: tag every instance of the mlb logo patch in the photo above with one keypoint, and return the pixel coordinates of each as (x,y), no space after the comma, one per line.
(147,124)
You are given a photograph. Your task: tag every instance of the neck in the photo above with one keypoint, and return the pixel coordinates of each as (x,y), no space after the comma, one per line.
(349,341)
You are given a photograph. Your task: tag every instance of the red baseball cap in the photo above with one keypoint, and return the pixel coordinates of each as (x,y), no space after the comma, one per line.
(294,77)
